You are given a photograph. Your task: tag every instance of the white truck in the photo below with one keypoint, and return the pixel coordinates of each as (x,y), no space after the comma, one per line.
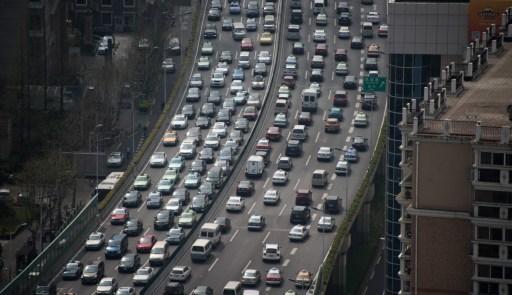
(309,100)
(254,166)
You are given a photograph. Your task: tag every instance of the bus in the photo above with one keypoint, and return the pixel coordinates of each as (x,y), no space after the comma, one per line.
(107,185)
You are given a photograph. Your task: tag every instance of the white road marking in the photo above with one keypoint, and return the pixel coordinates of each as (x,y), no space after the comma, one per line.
(362,9)
(306,75)
(329,187)
(329,96)
(332,76)
(355,113)
(350,131)
(309,21)
(359,88)
(307,55)
(333,176)
(286,262)
(293,251)
(361,66)
(140,207)
(265,238)
(308,159)
(227,92)
(296,114)
(334,39)
(236,54)
(252,208)
(259,20)
(313,217)
(319,206)
(296,184)
(147,230)
(267,289)
(317,137)
(278,156)
(358,98)
(146,263)
(360,81)
(324,196)
(246,266)
(324,115)
(309,38)
(361,73)
(282,210)
(288,136)
(234,235)
(358,105)
(266,182)
(213,264)
(348,137)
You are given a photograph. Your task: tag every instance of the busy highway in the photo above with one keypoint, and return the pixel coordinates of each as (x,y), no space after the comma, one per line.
(241,249)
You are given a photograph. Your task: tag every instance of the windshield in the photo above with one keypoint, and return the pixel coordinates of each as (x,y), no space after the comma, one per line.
(91,268)
(105,283)
(157,251)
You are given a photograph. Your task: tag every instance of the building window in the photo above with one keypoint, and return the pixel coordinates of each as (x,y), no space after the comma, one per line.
(106,2)
(508,159)
(488,288)
(496,272)
(508,273)
(489,175)
(81,2)
(508,235)
(498,159)
(488,251)
(496,234)
(493,197)
(129,20)
(509,250)
(488,212)
(483,270)
(485,158)
(106,18)
(36,22)
(482,233)
(129,3)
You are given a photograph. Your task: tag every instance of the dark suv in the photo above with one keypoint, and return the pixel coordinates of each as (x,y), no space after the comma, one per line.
(164,219)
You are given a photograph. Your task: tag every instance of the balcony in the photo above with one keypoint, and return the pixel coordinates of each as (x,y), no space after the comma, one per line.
(405,219)
(405,254)
(405,270)
(404,197)
(405,237)
(406,180)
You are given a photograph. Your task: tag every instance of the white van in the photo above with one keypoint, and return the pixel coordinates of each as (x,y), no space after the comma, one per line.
(210,231)
(201,250)
(232,288)
(309,100)
(342,167)
(299,132)
(269,23)
(239,31)
(367,30)
(319,178)
(244,59)
(159,253)
(254,166)
(282,106)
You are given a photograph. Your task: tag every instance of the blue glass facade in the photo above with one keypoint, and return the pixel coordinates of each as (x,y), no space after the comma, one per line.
(408,74)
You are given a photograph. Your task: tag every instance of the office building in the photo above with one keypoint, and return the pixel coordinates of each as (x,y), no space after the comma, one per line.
(423,37)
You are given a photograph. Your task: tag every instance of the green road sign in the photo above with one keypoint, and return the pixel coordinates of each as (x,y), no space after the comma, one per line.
(374,84)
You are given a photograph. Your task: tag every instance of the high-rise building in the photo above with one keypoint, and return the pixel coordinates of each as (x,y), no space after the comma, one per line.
(423,37)
(456,189)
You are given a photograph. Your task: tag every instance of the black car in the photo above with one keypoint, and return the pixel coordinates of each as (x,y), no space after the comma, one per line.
(298,48)
(198,166)
(132,199)
(260,69)
(174,288)
(224,115)
(214,14)
(133,227)
(360,143)
(210,32)
(290,72)
(253,9)
(296,16)
(227,24)
(344,19)
(182,194)
(164,220)
(369,101)
(214,97)
(242,124)
(293,148)
(72,270)
(208,109)
(293,36)
(129,263)
(265,154)
(189,111)
(93,272)
(224,222)
(203,122)
(317,75)
(295,4)
(245,188)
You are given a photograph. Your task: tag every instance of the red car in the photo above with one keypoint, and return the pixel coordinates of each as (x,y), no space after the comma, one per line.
(250,113)
(340,98)
(263,145)
(119,216)
(274,276)
(146,243)
(273,133)
(321,49)
(246,44)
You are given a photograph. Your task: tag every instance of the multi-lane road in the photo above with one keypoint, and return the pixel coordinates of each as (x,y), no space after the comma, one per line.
(241,249)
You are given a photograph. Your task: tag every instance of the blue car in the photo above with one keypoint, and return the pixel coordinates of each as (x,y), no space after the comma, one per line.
(234,7)
(335,112)
(238,74)
(351,155)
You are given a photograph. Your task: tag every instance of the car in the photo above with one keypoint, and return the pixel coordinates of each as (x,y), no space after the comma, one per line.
(351,155)
(133,227)
(214,14)
(321,49)
(212,142)
(369,101)
(260,69)
(234,8)
(284,163)
(72,270)
(271,197)
(274,276)
(251,25)
(342,167)
(95,241)
(305,118)
(321,19)
(250,113)
(175,205)
(250,277)
(200,203)
(175,235)
(273,133)
(224,223)
(203,122)
(263,145)
(258,82)
(373,17)
(325,153)
(170,138)
(163,220)
(145,243)
(280,177)
(253,9)
(340,98)
(361,120)
(177,163)
(187,150)
(295,4)
(373,50)
(220,128)
(208,109)
(238,74)
(335,112)
(326,224)
(226,56)
(360,143)
(182,194)
(271,252)
(350,82)
(266,38)
(107,285)
(115,159)
(227,24)
(235,204)
(224,116)
(264,57)
(222,67)
(317,75)
(245,188)
(210,31)
(344,32)
(129,263)
(217,80)
(298,48)
(203,63)
(143,276)
(240,98)
(280,120)
(174,288)
(93,272)
(319,35)
(168,65)
(256,223)
(298,233)
(341,54)
(383,31)
(317,62)
(196,80)
(344,19)
(157,160)
(132,199)
(214,96)
(172,174)
(303,279)
(180,273)
(187,218)
(192,180)
(179,122)
(119,216)
(342,69)
(246,44)
(142,182)
(356,42)
(236,85)
(332,125)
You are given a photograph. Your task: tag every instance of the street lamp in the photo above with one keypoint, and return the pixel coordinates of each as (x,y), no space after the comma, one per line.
(97,132)
(127,87)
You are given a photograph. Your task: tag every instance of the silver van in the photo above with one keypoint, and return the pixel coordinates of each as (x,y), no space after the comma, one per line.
(299,132)
(239,31)
(244,59)
(319,178)
(269,23)
(201,250)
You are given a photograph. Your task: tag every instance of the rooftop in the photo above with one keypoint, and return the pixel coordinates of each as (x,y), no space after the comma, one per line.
(485,100)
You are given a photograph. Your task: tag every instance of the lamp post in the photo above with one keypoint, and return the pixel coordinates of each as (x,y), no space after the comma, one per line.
(97,131)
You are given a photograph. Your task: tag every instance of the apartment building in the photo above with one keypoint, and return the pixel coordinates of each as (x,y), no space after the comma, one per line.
(456,188)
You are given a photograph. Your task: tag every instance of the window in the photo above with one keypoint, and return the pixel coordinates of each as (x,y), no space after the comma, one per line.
(483,270)
(129,3)
(106,18)
(129,20)
(489,175)
(509,250)
(496,234)
(106,2)
(81,2)
(508,274)
(498,159)
(488,251)
(508,159)
(489,212)
(496,272)
(508,235)
(488,288)
(493,197)
(482,233)
(485,158)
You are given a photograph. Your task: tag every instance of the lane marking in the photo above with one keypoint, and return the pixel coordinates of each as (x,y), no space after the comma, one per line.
(147,230)
(307,161)
(306,75)
(313,217)
(277,160)
(289,132)
(309,38)
(296,184)
(348,137)
(358,105)
(329,187)
(282,210)
(267,289)
(266,182)
(324,115)
(246,266)
(332,76)
(296,114)
(307,56)
(350,131)
(213,264)
(310,20)
(234,236)
(319,206)
(252,208)
(293,251)
(324,196)
(286,262)
(140,207)
(333,176)
(265,238)
(317,137)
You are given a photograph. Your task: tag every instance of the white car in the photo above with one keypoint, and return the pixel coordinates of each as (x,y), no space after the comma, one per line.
(158,159)
(291,59)
(143,275)
(342,167)
(196,80)
(220,128)
(280,120)
(207,48)
(174,205)
(319,35)
(325,153)
(95,241)
(271,197)
(179,121)
(203,63)
(254,100)
(361,120)
(107,285)
(321,19)
(316,86)
(187,150)
(271,252)
(180,273)
(258,82)
(373,17)
(235,204)
(326,223)
(298,233)
(222,67)
(265,57)
(236,85)
(280,177)
(212,140)
(115,159)
(283,89)
(217,80)
(344,32)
